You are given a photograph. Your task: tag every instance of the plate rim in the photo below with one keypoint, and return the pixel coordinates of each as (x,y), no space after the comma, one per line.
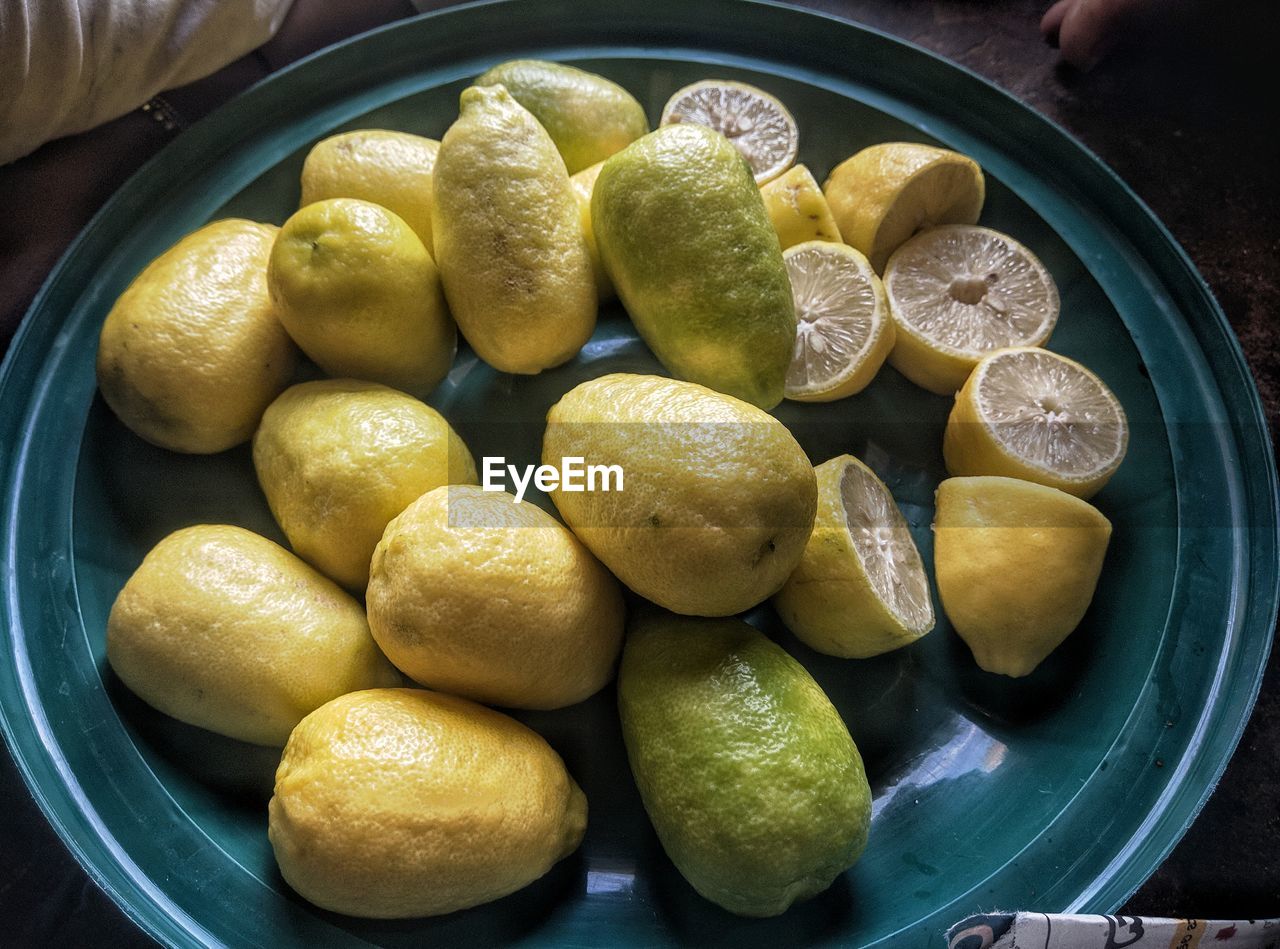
(1235,385)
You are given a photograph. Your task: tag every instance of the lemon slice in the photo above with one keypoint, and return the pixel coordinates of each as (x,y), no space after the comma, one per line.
(886,193)
(959,292)
(860,588)
(758,124)
(843,328)
(797,209)
(1032,414)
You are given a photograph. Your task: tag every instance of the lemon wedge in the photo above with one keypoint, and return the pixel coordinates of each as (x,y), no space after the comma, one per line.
(886,193)
(759,126)
(1032,414)
(860,588)
(797,209)
(843,328)
(960,292)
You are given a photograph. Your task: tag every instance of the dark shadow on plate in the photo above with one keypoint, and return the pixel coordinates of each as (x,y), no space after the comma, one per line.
(891,419)
(503,415)
(693,920)
(1004,702)
(876,697)
(152,491)
(242,773)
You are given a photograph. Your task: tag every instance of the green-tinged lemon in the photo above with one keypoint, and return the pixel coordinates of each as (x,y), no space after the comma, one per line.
(685,237)
(588,116)
(747,771)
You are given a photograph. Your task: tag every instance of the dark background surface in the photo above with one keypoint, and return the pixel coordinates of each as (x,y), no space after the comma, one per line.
(1185,111)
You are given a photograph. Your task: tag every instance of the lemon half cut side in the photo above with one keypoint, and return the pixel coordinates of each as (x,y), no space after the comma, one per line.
(759,126)
(959,292)
(1032,414)
(843,330)
(860,588)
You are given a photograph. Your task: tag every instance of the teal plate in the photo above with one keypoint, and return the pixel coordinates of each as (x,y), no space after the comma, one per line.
(1059,792)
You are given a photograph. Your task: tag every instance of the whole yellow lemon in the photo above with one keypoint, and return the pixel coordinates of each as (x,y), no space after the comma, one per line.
(358,292)
(392,169)
(192,351)
(392,803)
(509,241)
(224,629)
(717,498)
(476,594)
(338,459)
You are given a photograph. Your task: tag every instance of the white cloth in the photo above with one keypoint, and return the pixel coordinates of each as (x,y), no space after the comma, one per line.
(68,65)
(1061,931)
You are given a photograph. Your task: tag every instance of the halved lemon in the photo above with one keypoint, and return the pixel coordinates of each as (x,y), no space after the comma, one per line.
(758,124)
(1031,414)
(860,588)
(843,329)
(960,292)
(1017,565)
(888,192)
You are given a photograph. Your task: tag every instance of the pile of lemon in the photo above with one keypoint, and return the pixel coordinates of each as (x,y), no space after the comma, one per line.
(400,791)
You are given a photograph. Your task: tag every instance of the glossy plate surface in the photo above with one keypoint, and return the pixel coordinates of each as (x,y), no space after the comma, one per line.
(1059,792)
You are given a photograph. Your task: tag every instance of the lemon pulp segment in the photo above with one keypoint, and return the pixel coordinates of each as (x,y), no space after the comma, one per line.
(883,543)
